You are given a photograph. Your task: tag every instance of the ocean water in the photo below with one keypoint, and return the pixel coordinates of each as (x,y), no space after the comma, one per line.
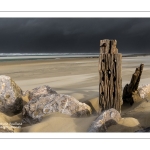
(21,56)
(29,56)
(46,54)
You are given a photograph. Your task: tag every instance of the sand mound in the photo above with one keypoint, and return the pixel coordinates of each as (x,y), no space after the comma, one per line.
(57,122)
(125,125)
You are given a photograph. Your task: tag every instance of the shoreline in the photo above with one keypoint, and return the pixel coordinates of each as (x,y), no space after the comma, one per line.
(46,58)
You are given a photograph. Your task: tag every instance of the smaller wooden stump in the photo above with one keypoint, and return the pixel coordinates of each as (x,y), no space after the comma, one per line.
(133,86)
(110,82)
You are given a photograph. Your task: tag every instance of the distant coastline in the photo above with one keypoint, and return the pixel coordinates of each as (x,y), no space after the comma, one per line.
(35,56)
(135,55)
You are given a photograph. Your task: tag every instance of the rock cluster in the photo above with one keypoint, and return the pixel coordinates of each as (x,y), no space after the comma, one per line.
(41,101)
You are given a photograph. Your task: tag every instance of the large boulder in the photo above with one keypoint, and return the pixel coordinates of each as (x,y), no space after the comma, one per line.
(106,119)
(10,96)
(40,91)
(36,108)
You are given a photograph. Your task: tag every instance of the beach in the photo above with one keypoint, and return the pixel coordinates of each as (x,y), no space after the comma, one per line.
(78,77)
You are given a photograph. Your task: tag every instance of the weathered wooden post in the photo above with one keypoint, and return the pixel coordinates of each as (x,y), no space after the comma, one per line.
(110,81)
(129,89)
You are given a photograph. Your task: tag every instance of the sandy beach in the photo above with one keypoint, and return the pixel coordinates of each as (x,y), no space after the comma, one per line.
(79,78)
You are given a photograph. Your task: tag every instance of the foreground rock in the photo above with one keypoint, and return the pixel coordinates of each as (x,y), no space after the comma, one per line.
(106,119)
(40,106)
(40,91)
(144,130)
(10,96)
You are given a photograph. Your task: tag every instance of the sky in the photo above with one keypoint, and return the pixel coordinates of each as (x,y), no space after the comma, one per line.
(73,35)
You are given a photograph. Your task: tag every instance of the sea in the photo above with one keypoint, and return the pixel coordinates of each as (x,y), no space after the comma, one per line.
(32,56)
(28,56)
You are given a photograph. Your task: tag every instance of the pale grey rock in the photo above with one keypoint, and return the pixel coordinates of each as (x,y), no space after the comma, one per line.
(144,90)
(10,96)
(40,91)
(35,109)
(107,118)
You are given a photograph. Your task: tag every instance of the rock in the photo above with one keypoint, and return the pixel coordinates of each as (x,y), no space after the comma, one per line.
(10,96)
(144,130)
(144,91)
(106,119)
(35,109)
(40,91)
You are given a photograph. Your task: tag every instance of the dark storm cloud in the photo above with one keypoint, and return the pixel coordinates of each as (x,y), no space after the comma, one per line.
(73,34)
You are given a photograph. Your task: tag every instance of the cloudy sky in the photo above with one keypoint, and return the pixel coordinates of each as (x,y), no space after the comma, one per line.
(73,34)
